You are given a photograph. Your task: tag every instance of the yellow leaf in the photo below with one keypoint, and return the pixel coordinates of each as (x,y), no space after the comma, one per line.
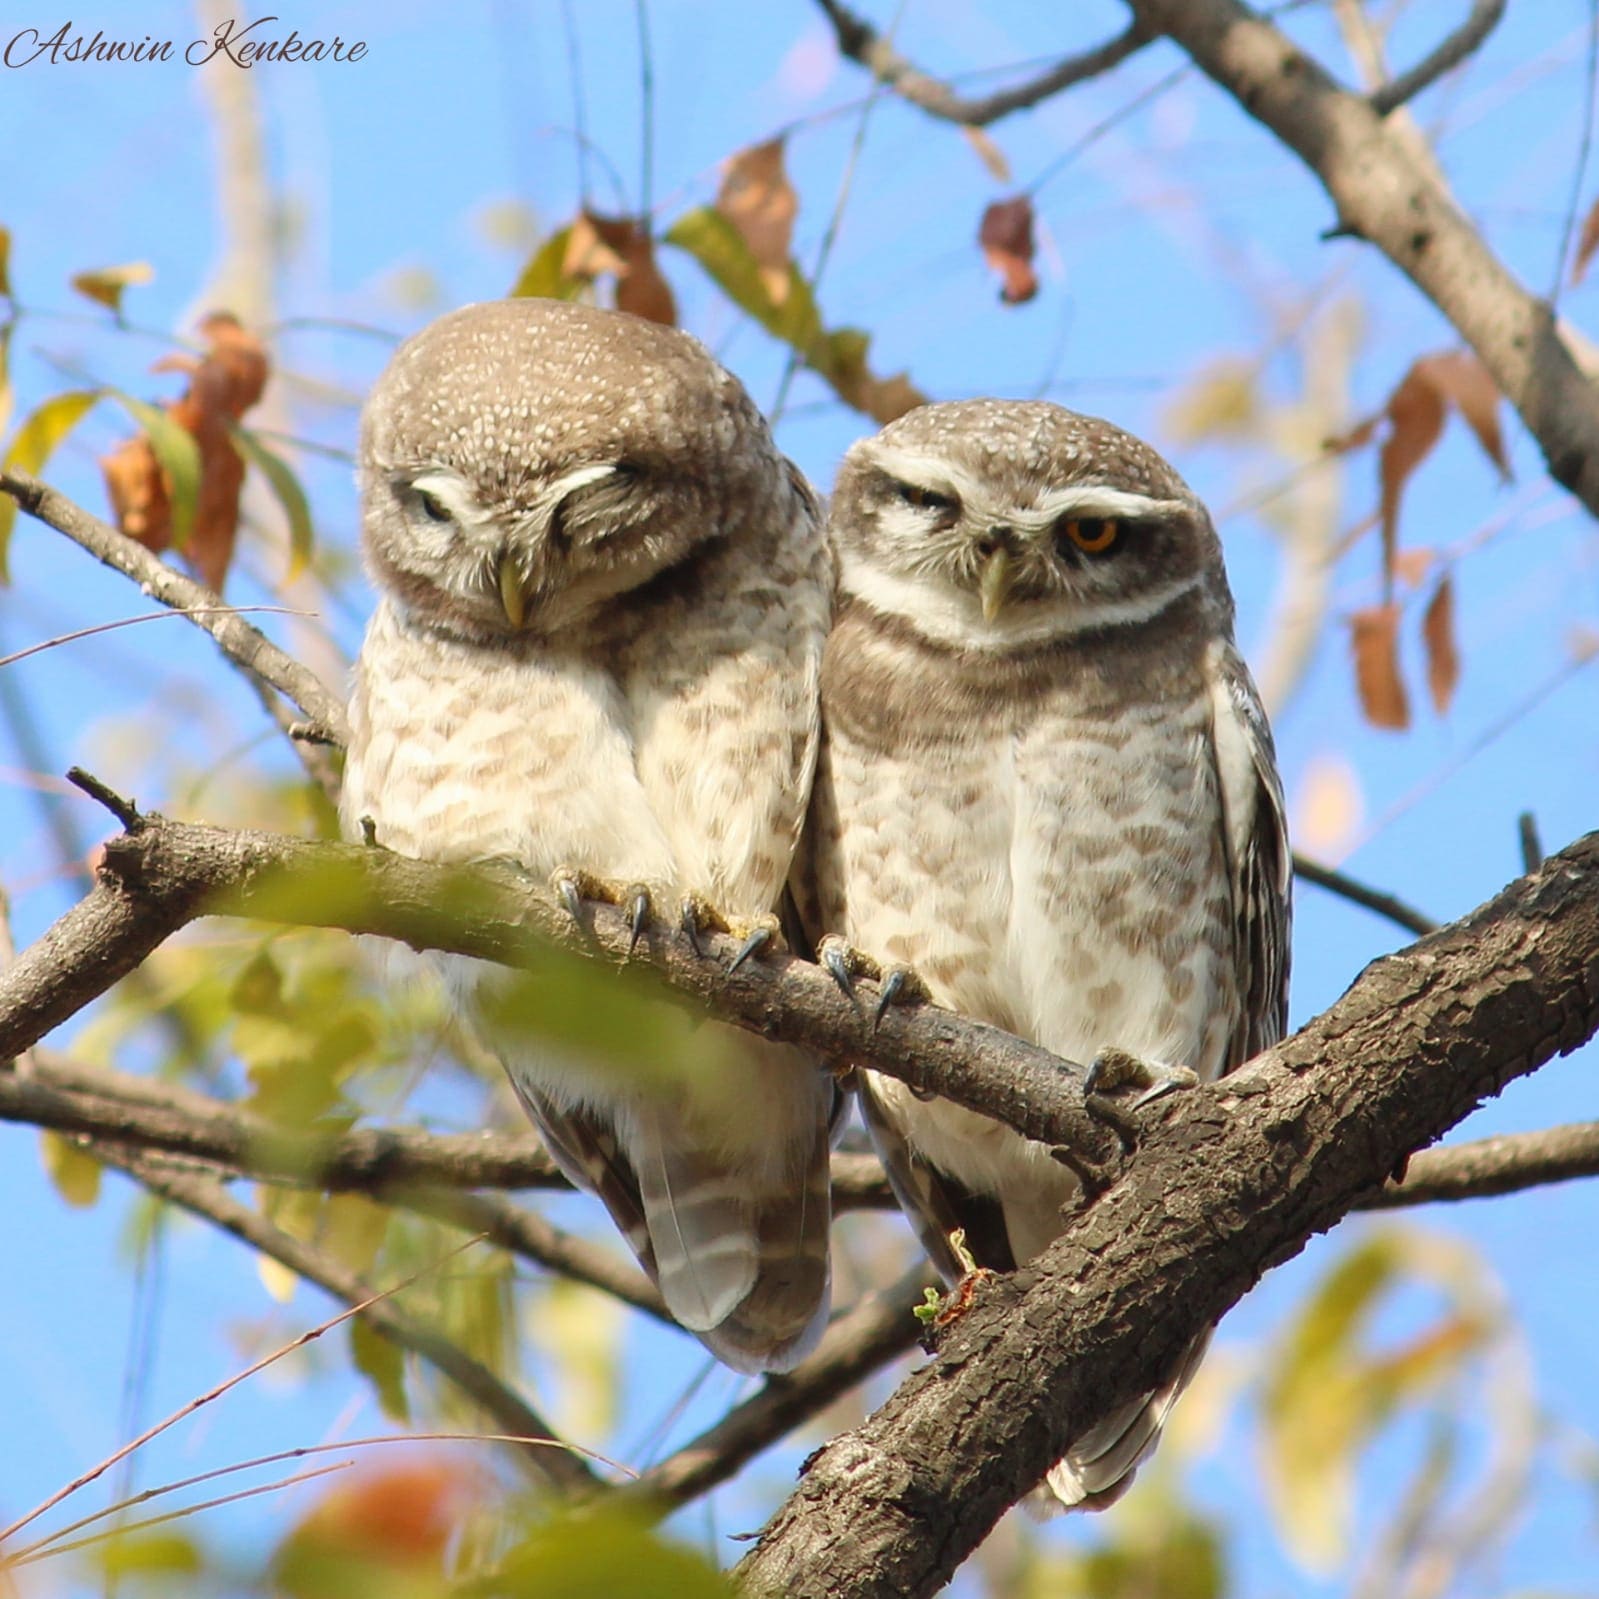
(150,1554)
(383,1364)
(5,262)
(1220,403)
(74,1172)
(276,1278)
(545,275)
(32,445)
(106,285)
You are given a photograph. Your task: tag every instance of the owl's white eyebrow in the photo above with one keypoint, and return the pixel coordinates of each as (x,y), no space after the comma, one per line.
(451,492)
(1096,499)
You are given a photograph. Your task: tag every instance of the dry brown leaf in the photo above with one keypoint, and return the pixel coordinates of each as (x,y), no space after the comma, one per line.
(1464,383)
(224,384)
(1412,566)
(621,248)
(1438,637)
(1006,238)
(757,198)
(1415,421)
(1374,634)
(1587,243)
(989,153)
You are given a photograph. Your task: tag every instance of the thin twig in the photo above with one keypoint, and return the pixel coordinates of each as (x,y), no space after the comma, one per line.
(1373,899)
(861,42)
(244,645)
(557,1468)
(1484,17)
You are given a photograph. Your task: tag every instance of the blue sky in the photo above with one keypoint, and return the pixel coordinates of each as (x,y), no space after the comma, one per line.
(1178,234)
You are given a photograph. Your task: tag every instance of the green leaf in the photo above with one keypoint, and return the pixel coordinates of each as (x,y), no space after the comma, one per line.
(720,249)
(542,277)
(72,1170)
(178,456)
(150,1554)
(601,1555)
(32,445)
(106,285)
(5,262)
(383,1364)
(286,488)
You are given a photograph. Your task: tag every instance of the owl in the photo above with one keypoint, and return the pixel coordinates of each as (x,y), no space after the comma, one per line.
(1047,787)
(596,655)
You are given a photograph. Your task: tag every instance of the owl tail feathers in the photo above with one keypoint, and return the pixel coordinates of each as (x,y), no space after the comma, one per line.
(1100,1465)
(741,1263)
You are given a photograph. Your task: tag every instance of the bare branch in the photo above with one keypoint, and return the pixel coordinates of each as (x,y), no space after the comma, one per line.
(1383,195)
(857,1344)
(557,1467)
(1373,899)
(1489,1166)
(862,43)
(1234,1179)
(244,645)
(1483,19)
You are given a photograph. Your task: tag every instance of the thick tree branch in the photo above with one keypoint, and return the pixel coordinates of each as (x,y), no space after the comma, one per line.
(244,645)
(550,1462)
(861,42)
(163,874)
(1233,1179)
(1383,195)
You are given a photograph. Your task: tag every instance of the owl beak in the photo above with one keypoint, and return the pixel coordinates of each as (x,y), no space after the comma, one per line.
(993,587)
(511,595)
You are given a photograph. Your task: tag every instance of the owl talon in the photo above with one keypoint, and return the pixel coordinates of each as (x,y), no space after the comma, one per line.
(901,985)
(698,915)
(761,936)
(1112,1070)
(844,963)
(636,898)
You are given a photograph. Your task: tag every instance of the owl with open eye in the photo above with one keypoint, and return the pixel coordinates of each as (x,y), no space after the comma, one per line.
(1046,785)
(603,599)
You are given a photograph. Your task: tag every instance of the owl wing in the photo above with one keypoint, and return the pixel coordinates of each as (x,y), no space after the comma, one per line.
(1255,821)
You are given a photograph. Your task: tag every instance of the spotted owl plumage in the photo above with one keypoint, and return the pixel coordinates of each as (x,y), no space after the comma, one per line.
(603,600)
(1046,784)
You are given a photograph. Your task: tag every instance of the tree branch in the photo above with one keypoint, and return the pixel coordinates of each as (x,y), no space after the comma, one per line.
(1233,1178)
(1482,20)
(1383,195)
(549,1461)
(153,880)
(1373,899)
(862,43)
(244,645)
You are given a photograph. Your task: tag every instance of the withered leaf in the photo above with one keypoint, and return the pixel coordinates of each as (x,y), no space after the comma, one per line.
(1374,635)
(620,248)
(1438,638)
(105,286)
(1006,238)
(1464,383)
(760,202)
(223,385)
(1415,418)
(1587,243)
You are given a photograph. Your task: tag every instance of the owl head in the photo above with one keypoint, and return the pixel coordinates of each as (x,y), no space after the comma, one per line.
(525,461)
(994,524)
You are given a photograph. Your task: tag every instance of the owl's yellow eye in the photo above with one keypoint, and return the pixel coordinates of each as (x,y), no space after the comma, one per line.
(1093,535)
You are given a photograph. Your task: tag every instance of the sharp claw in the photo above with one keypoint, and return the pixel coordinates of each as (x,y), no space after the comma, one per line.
(571,898)
(837,966)
(638,914)
(893,987)
(753,945)
(689,921)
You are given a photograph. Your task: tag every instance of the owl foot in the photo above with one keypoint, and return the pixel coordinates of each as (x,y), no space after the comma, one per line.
(897,984)
(572,886)
(698,915)
(1113,1070)
(762,937)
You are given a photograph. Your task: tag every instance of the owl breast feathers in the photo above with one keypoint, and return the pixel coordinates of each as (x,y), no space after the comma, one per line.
(604,595)
(1046,783)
